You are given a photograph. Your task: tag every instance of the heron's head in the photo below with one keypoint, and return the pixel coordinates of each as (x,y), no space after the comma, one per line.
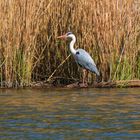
(68,35)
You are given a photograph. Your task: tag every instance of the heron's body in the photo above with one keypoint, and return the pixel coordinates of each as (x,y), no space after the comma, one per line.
(81,56)
(85,61)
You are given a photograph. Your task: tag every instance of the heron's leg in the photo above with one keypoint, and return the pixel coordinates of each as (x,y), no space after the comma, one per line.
(84,76)
(83,84)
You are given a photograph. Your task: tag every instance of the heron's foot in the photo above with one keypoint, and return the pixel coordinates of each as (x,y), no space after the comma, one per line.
(83,85)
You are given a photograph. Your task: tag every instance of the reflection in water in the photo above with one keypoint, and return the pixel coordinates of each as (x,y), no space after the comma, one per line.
(70,114)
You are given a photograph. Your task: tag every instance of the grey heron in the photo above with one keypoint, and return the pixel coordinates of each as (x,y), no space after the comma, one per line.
(82,58)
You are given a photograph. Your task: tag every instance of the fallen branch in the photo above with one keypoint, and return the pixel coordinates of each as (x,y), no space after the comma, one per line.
(121,83)
(58,68)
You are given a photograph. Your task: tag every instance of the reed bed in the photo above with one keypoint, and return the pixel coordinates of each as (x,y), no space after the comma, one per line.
(29,51)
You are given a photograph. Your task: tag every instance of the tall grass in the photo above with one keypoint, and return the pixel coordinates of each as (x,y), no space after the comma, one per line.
(29,51)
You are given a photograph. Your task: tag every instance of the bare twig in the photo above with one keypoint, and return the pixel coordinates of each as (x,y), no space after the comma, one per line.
(58,68)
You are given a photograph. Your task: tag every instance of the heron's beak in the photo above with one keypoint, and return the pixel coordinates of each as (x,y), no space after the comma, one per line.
(62,37)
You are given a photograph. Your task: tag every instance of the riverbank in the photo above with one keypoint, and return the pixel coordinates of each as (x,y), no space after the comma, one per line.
(75,84)
(111,84)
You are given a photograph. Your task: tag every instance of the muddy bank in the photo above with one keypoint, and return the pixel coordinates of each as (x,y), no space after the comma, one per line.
(76,84)
(116,84)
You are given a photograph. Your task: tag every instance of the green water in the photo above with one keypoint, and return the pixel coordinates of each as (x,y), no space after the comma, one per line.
(64,114)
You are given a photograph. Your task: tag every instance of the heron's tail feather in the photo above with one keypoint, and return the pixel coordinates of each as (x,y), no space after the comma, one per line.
(96,71)
(93,69)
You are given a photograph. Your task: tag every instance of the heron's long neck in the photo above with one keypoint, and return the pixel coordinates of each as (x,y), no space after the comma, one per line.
(73,51)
